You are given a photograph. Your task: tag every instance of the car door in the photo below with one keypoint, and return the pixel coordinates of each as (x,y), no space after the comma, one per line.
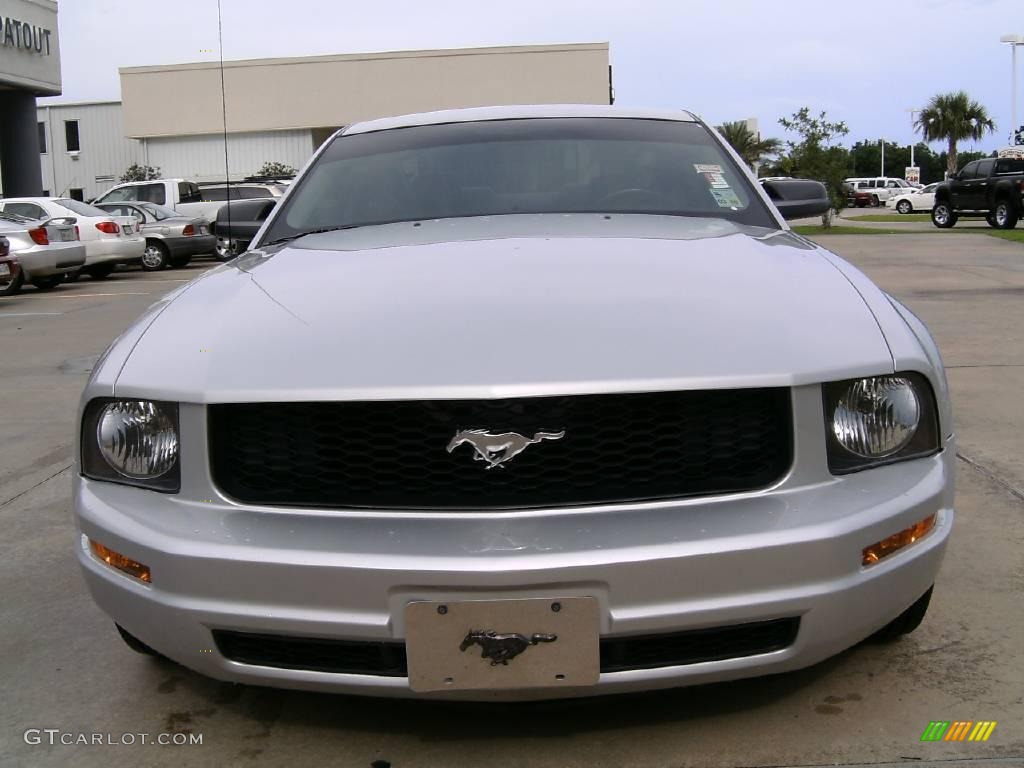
(978,189)
(960,186)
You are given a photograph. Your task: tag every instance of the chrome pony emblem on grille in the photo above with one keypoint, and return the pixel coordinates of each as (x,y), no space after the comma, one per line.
(496,449)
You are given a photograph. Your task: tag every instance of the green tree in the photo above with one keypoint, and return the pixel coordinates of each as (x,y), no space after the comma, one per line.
(953,117)
(136,172)
(816,155)
(274,169)
(751,147)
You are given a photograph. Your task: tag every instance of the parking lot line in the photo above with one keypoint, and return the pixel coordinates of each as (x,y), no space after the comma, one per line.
(90,295)
(28,314)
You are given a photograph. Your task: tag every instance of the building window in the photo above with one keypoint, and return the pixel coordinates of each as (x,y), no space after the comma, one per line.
(71,135)
(76,194)
(42,138)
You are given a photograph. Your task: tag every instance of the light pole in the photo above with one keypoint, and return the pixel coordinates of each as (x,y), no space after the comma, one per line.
(1014,41)
(882,142)
(912,111)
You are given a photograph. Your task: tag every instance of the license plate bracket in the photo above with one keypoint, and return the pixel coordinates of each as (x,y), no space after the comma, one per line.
(503,644)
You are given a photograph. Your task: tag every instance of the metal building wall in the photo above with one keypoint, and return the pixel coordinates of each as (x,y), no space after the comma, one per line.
(201,158)
(104,152)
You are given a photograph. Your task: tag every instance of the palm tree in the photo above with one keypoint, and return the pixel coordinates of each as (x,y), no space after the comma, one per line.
(752,148)
(954,117)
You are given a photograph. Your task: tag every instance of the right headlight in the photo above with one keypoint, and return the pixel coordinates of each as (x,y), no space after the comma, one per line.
(879,420)
(134,442)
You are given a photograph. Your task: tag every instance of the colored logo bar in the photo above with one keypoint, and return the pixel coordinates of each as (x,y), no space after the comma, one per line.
(958,730)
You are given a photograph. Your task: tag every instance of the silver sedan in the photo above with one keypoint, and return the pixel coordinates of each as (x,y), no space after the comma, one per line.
(518,403)
(171,239)
(44,249)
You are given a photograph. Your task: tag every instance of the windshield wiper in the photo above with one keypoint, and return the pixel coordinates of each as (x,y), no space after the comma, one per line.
(297,235)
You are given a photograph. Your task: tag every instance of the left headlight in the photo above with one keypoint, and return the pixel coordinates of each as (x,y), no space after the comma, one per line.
(879,420)
(134,442)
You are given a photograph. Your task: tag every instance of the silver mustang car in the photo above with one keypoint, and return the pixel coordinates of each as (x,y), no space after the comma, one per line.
(516,403)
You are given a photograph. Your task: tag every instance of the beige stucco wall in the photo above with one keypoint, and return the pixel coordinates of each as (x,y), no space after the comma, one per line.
(322,91)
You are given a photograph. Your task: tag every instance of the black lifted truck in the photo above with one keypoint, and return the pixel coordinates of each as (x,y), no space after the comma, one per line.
(992,188)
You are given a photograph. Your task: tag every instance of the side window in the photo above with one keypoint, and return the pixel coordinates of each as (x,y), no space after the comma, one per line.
(892,184)
(253,193)
(985,168)
(31,210)
(188,192)
(970,171)
(214,194)
(1010,165)
(152,193)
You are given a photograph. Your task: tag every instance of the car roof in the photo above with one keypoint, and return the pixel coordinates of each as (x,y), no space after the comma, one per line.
(150,181)
(516,112)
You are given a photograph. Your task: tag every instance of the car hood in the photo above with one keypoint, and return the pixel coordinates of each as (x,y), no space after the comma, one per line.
(598,306)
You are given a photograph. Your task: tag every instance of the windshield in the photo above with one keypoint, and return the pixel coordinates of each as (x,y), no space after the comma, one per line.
(81,209)
(158,212)
(556,165)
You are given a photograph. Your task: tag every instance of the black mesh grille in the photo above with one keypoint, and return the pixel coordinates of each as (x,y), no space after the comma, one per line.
(620,447)
(387,659)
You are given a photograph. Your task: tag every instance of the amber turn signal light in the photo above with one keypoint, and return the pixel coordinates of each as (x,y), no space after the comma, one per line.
(120,562)
(897,541)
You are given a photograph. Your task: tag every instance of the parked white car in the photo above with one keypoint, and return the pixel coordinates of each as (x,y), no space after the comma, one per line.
(108,239)
(915,200)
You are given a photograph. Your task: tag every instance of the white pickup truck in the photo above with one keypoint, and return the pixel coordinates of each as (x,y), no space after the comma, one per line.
(182,195)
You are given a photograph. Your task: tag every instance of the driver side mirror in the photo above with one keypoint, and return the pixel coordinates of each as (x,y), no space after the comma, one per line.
(798,198)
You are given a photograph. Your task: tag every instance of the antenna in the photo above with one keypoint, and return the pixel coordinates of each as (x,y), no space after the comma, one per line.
(224,115)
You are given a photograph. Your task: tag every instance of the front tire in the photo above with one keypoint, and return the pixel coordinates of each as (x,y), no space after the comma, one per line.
(875,202)
(99,271)
(904,206)
(943,216)
(155,257)
(1005,215)
(906,622)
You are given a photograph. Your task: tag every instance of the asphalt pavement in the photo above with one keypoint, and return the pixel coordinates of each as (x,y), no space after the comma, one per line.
(63,666)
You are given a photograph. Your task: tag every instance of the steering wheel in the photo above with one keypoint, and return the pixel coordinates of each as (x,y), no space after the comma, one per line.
(635,195)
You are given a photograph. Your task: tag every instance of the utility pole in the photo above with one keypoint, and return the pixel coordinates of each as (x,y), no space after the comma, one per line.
(913,111)
(882,142)
(1014,41)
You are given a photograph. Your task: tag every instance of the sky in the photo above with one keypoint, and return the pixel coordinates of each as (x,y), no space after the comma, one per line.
(864,62)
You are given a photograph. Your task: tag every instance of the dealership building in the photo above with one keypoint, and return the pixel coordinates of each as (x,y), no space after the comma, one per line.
(282,109)
(29,67)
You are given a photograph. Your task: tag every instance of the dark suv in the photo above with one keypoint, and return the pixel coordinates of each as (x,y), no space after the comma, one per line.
(992,188)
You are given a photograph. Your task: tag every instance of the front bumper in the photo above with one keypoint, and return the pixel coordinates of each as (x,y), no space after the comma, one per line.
(792,551)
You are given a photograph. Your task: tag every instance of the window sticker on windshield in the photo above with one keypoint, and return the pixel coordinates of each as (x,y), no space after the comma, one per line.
(716,180)
(725,198)
(701,168)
